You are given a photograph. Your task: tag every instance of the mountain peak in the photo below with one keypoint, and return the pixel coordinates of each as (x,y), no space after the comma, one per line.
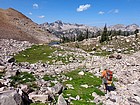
(134,25)
(14,13)
(11,9)
(58,22)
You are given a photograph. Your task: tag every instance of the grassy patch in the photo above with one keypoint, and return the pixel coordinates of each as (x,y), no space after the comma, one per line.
(81,102)
(32,85)
(62,57)
(45,53)
(76,80)
(85,93)
(38,104)
(22,78)
(48,77)
(102,53)
(115,79)
(34,54)
(1,75)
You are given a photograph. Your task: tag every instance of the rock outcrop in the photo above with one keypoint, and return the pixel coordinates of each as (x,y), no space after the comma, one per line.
(13,97)
(61,100)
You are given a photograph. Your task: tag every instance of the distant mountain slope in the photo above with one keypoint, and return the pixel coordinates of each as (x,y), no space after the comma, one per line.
(131,27)
(60,28)
(59,25)
(15,25)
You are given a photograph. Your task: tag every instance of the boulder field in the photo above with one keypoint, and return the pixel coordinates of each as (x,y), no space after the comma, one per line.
(126,72)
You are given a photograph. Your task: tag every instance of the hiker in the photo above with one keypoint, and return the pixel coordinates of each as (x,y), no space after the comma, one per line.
(107,76)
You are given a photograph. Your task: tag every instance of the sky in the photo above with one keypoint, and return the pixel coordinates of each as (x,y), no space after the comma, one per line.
(89,12)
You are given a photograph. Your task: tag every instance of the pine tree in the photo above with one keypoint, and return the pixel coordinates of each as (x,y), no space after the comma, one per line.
(119,32)
(87,34)
(80,37)
(104,36)
(136,33)
(113,32)
(93,35)
(63,39)
(98,33)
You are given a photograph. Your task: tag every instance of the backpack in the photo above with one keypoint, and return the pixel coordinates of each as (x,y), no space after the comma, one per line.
(109,75)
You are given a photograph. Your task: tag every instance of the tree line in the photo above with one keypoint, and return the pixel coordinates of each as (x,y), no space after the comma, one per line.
(105,34)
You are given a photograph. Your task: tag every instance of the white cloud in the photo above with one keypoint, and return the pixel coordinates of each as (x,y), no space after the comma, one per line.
(114,11)
(35,5)
(83,7)
(42,16)
(101,12)
(30,13)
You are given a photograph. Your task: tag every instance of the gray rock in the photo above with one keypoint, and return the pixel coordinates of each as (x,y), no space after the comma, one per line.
(26,70)
(77,97)
(118,57)
(103,48)
(85,86)
(109,50)
(1,89)
(69,86)
(137,98)
(81,73)
(57,88)
(10,97)
(61,100)
(119,50)
(2,69)
(133,101)
(36,98)
(135,89)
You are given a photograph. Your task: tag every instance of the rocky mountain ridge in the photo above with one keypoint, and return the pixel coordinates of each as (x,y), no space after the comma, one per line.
(131,27)
(61,28)
(15,25)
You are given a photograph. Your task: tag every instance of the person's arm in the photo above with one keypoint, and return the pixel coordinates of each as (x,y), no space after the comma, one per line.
(103,74)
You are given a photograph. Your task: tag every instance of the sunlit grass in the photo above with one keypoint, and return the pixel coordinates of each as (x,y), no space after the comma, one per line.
(85,93)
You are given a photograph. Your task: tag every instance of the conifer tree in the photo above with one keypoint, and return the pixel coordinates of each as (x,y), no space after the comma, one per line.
(136,33)
(87,34)
(104,36)
(80,37)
